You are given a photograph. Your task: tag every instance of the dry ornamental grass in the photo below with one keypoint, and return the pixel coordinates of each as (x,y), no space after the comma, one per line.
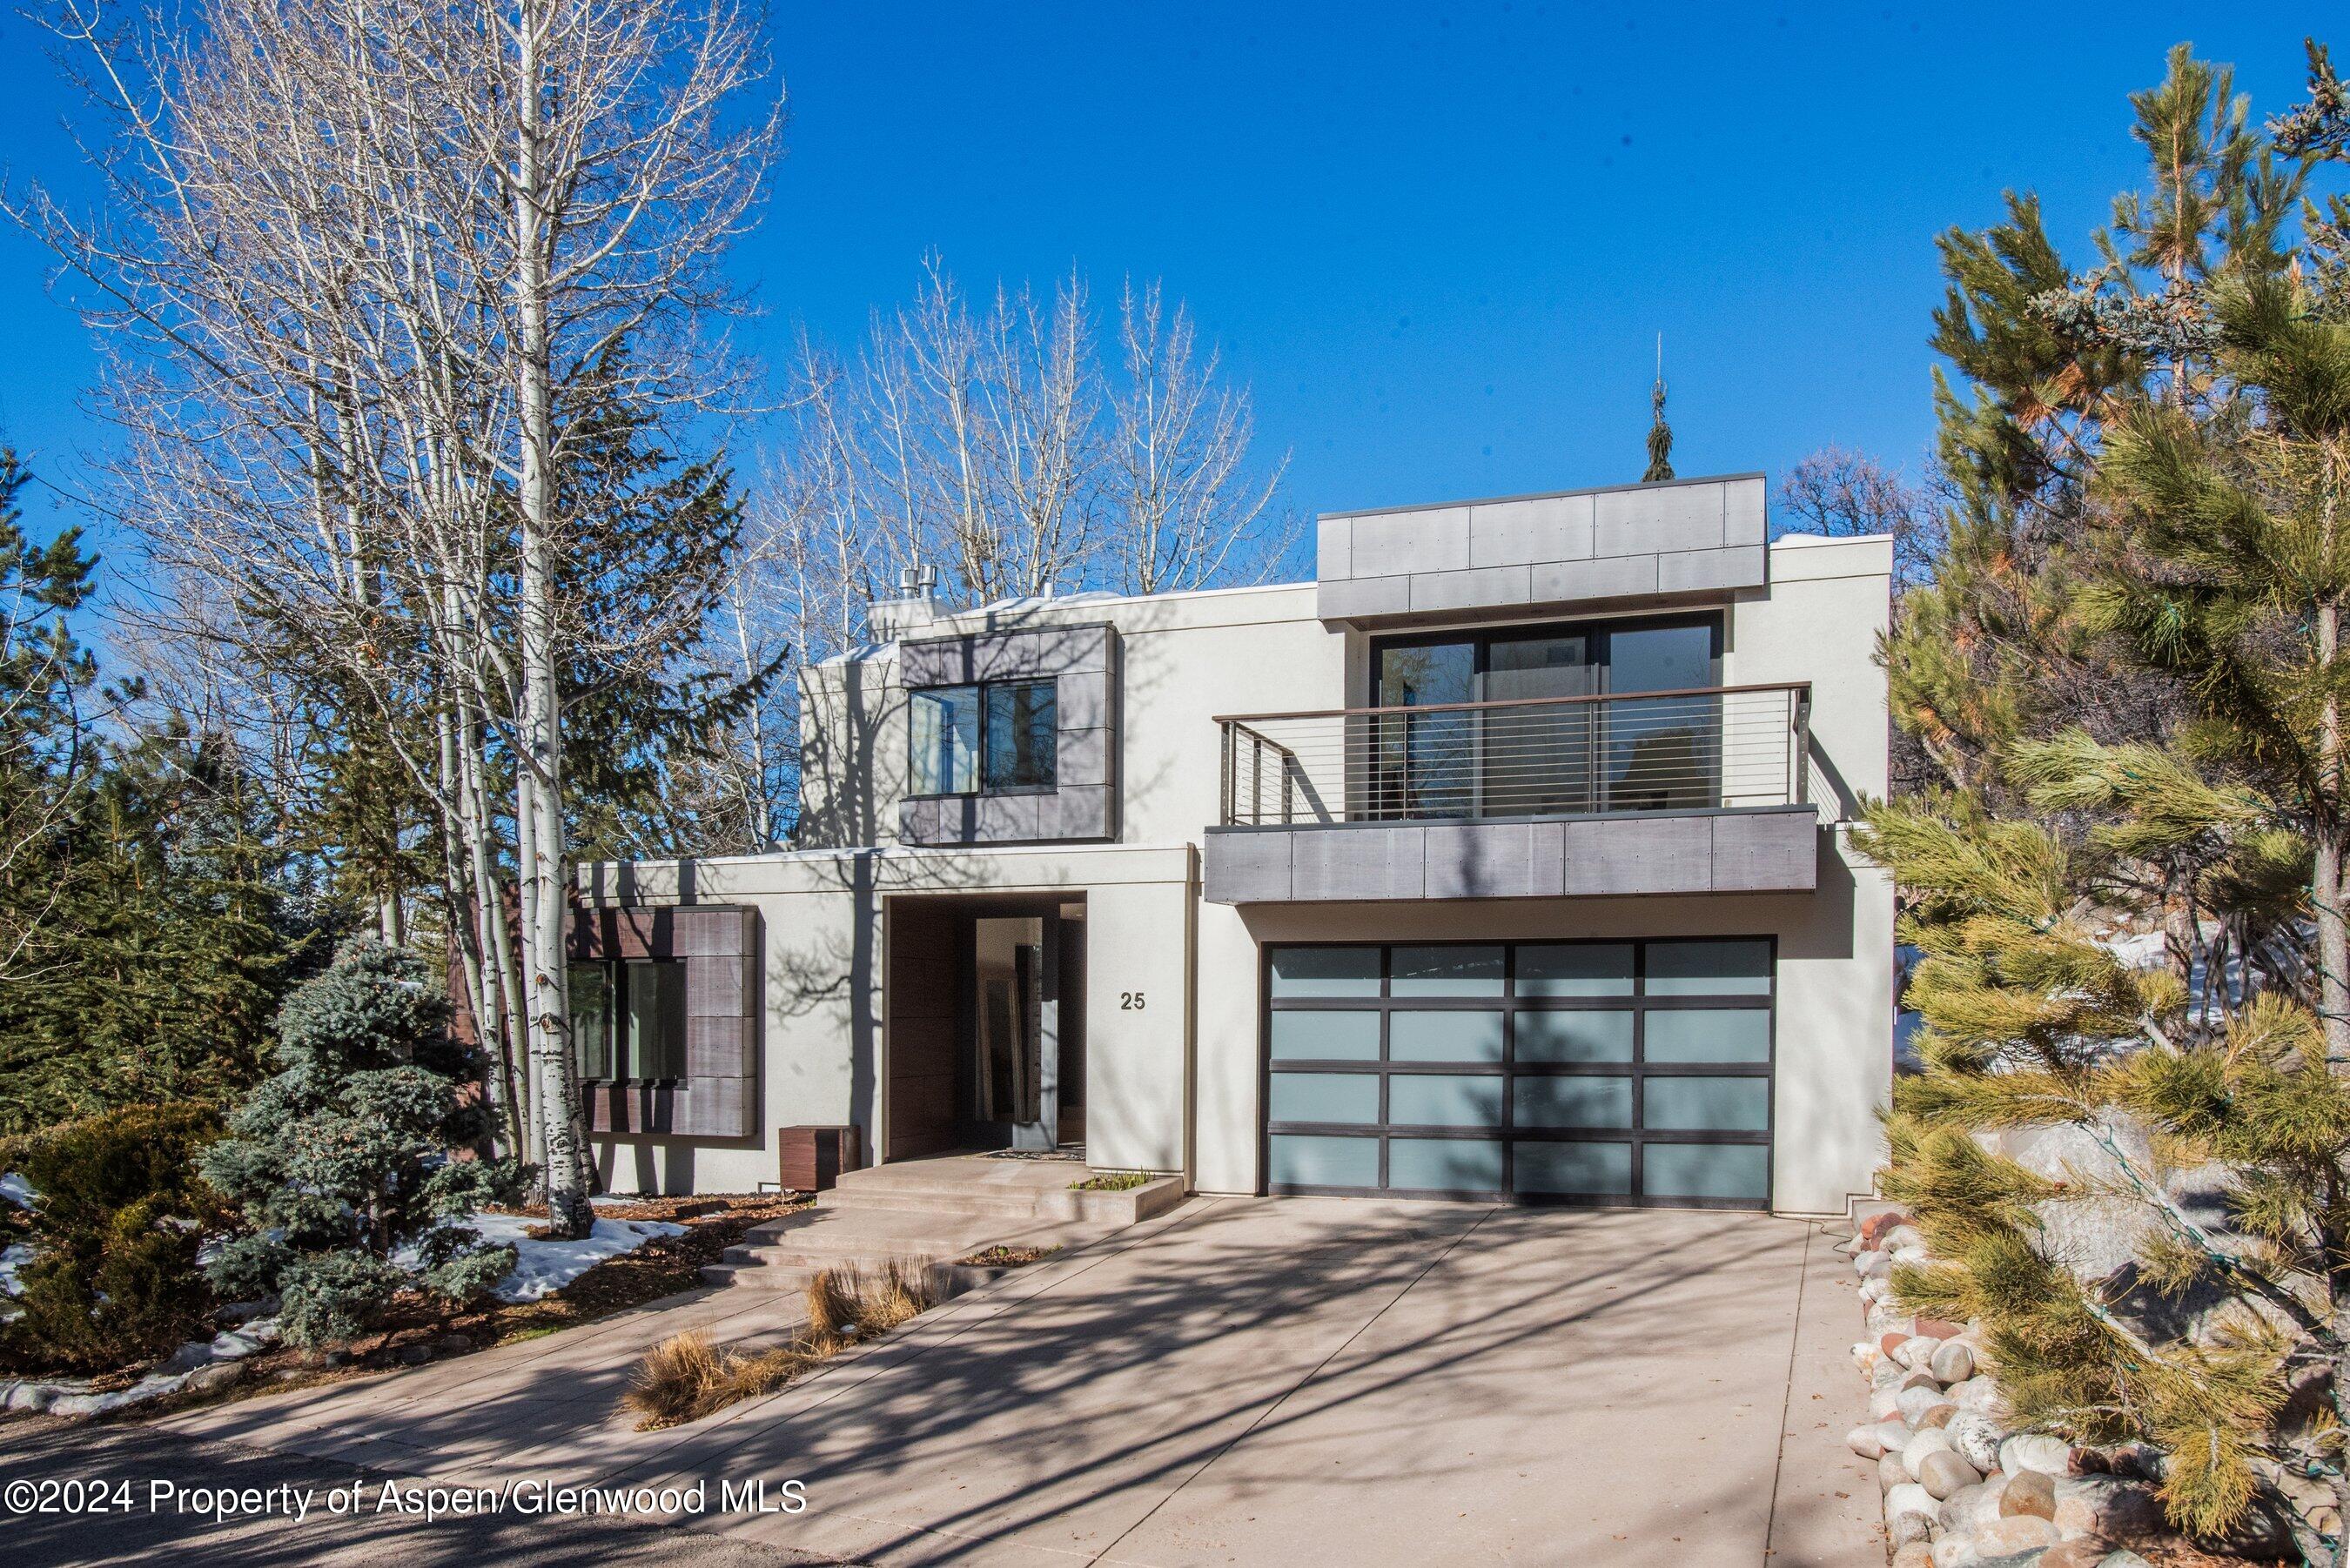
(686,1377)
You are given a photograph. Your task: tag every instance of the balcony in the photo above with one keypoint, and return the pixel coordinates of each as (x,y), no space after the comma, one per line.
(1696,791)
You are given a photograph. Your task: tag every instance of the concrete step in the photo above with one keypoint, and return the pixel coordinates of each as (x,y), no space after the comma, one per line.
(757,1274)
(1039,1189)
(1009,1204)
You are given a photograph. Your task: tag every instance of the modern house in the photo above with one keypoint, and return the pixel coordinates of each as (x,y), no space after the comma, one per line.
(1507,858)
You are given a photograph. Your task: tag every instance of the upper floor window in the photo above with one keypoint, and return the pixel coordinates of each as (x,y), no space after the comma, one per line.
(627,1020)
(1000,736)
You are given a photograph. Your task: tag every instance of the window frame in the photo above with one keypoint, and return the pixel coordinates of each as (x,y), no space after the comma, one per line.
(1598,630)
(617,1051)
(980,690)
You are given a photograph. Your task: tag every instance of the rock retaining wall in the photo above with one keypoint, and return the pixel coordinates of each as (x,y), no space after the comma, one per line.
(1962,1488)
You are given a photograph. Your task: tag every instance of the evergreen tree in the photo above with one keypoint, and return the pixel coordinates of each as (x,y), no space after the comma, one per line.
(340,1162)
(2150,478)
(1660,434)
(146,931)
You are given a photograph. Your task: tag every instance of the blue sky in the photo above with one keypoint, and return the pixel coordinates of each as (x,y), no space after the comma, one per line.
(1437,241)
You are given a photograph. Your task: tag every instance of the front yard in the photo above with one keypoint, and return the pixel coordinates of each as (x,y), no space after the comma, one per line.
(555,1292)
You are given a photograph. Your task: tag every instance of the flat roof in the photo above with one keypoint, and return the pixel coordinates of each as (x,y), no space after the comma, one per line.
(1548,494)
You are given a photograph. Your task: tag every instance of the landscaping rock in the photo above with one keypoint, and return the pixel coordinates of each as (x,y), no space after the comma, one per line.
(2082,1552)
(1914,1402)
(1970,1508)
(1917,1353)
(214,1378)
(1915,1554)
(1931,1440)
(2014,1534)
(1937,1328)
(1876,1226)
(1890,1473)
(1944,1474)
(1950,1361)
(415,1355)
(2036,1451)
(1909,1514)
(1940,1414)
(1868,1441)
(2032,1493)
(452,1344)
(1976,1393)
(1976,1439)
(1867,1264)
(2110,1506)
(1883,1405)
(1888,1373)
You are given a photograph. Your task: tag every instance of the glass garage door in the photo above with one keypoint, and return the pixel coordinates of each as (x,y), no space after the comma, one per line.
(1612,1072)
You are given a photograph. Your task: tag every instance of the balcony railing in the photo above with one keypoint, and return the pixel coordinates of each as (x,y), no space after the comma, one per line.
(1697,750)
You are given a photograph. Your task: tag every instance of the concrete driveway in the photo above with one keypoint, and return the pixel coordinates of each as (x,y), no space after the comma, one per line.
(1243,1381)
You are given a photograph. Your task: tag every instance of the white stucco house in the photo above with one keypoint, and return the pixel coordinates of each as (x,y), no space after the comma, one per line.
(1508,857)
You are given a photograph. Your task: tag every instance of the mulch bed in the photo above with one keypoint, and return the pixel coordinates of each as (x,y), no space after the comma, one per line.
(416,1333)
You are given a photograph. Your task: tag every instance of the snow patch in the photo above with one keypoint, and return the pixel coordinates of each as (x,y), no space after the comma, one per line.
(12,1260)
(542,1268)
(18,1190)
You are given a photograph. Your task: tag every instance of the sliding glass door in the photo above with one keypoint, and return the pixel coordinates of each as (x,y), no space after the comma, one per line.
(1539,756)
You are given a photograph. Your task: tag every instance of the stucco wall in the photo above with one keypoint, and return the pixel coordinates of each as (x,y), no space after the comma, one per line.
(827,930)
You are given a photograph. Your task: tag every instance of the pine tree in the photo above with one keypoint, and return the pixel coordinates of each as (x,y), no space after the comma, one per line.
(340,1163)
(2149,480)
(1660,434)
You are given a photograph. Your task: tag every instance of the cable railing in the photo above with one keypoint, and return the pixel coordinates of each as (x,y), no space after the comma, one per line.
(1694,750)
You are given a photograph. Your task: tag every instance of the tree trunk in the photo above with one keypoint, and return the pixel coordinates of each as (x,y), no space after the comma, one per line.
(539,771)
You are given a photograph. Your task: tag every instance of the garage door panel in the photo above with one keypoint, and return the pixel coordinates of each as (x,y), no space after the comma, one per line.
(1573,1169)
(1613,1072)
(1736,1172)
(1569,1037)
(1708,1035)
(1455,1035)
(1581,1101)
(1325,1098)
(1324,1036)
(1444,1164)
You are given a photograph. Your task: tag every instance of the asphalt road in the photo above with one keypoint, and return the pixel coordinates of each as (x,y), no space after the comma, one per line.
(69,1466)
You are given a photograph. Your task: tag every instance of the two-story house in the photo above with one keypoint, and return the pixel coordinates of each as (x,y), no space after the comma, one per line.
(1507,858)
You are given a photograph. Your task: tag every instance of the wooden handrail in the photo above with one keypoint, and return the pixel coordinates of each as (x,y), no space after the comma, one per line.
(1801,688)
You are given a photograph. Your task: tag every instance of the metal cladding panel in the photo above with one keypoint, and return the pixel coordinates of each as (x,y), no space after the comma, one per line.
(1246,866)
(1522,533)
(1680,537)
(1639,855)
(1348,598)
(1698,571)
(1481,860)
(1372,862)
(1618,577)
(1627,854)
(1767,852)
(1082,662)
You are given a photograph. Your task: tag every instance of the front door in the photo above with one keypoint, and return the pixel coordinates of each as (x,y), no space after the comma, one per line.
(1015,996)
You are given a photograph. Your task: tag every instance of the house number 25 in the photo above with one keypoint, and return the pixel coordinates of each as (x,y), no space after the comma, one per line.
(1130,1001)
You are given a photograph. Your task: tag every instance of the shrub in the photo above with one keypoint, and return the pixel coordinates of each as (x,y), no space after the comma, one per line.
(685,1378)
(1111,1182)
(117,1218)
(340,1163)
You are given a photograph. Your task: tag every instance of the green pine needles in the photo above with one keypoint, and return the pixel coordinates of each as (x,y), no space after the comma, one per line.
(2125,885)
(340,1163)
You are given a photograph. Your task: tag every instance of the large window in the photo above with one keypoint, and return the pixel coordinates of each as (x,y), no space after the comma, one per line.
(1001,737)
(1544,754)
(1590,1072)
(627,1020)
